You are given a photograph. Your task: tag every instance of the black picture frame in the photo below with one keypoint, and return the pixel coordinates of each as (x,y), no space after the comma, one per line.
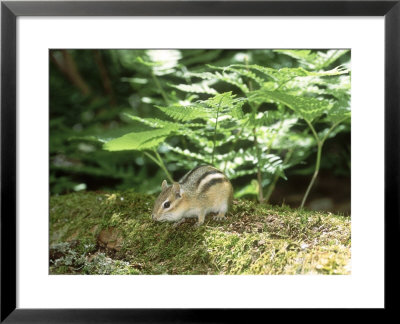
(9,13)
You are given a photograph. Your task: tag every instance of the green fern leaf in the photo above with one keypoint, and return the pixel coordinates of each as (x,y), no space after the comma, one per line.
(307,107)
(201,75)
(185,113)
(199,56)
(326,59)
(220,101)
(264,70)
(237,111)
(301,55)
(202,87)
(242,70)
(138,140)
(286,74)
(231,78)
(226,104)
(234,79)
(154,122)
(314,60)
(339,112)
(188,154)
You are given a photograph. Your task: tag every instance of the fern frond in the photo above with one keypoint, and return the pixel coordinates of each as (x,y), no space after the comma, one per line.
(185,113)
(339,112)
(199,56)
(200,141)
(226,103)
(326,59)
(238,157)
(234,174)
(231,78)
(304,56)
(202,75)
(220,100)
(265,118)
(154,122)
(242,70)
(264,70)
(290,73)
(237,111)
(188,154)
(234,79)
(307,107)
(202,87)
(314,60)
(138,140)
(269,163)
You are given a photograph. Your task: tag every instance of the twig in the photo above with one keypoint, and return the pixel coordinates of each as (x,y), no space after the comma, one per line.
(104,77)
(66,64)
(215,132)
(160,163)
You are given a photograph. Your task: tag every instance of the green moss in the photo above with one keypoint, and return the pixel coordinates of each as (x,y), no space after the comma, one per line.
(112,233)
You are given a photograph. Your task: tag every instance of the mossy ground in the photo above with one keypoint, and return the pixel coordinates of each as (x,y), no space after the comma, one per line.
(112,233)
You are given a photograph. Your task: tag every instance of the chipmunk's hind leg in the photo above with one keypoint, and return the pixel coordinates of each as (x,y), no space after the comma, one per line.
(222,212)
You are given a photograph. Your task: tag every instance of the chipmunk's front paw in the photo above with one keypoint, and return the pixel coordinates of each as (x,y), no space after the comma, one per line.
(198,224)
(178,223)
(200,220)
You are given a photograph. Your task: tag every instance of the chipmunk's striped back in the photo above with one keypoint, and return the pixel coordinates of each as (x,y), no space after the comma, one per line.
(200,179)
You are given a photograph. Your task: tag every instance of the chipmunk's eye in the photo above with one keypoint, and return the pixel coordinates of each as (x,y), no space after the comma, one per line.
(166,204)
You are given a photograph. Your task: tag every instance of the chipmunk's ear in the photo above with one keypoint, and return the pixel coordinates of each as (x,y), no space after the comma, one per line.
(176,188)
(164,184)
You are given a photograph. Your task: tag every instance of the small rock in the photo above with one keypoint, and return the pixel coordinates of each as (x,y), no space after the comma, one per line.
(261,242)
(110,238)
(304,246)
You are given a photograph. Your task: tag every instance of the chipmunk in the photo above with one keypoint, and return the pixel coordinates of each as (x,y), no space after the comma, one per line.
(202,190)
